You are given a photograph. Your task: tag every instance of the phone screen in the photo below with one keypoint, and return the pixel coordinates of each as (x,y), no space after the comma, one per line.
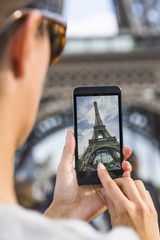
(98,133)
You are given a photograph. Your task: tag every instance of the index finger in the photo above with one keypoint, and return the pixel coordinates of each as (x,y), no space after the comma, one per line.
(112,193)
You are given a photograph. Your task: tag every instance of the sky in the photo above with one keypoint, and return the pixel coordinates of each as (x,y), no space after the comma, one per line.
(108,110)
(88,18)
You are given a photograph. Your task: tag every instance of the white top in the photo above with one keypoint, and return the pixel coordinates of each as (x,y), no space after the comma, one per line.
(16,223)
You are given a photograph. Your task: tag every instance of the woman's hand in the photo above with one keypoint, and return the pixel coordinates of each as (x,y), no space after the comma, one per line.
(72,200)
(129,204)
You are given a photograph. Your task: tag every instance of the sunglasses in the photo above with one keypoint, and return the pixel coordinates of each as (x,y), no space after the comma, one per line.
(56,26)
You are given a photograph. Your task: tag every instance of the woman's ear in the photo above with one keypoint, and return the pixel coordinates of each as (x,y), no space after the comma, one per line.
(23,42)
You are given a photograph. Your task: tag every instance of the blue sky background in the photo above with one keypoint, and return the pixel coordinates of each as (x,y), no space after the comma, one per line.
(108,109)
(88,18)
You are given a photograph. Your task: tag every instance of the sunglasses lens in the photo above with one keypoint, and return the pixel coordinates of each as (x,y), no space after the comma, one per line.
(57,38)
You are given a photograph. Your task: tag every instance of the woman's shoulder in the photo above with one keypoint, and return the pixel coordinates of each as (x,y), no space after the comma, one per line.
(21,224)
(17,223)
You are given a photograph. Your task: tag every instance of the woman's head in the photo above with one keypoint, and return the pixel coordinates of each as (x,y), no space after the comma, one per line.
(28,38)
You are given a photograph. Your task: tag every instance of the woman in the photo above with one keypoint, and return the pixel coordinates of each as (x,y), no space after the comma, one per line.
(27,48)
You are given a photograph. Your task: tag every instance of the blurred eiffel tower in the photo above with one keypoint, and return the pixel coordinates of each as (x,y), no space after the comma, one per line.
(133,70)
(102,147)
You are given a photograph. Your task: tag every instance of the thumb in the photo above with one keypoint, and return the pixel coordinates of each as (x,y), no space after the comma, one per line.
(69,148)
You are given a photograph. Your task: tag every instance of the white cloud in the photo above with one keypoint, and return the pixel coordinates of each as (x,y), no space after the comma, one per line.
(90,116)
(87,132)
(83,140)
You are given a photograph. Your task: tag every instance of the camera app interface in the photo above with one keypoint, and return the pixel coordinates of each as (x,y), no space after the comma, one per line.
(98,132)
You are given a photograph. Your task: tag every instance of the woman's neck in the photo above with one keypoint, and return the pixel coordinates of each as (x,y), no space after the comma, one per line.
(7,151)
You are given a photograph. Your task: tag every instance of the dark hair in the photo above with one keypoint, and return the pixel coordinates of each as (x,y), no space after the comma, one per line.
(9,31)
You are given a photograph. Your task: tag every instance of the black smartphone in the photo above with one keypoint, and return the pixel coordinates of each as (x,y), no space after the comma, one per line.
(98,132)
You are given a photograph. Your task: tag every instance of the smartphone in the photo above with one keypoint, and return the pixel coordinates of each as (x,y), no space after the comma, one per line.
(97,115)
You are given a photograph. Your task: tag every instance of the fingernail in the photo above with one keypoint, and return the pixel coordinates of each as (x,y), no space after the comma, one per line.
(66,133)
(125,163)
(101,166)
(128,164)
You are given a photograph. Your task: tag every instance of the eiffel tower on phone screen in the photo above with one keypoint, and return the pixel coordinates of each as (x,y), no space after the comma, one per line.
(102,147)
